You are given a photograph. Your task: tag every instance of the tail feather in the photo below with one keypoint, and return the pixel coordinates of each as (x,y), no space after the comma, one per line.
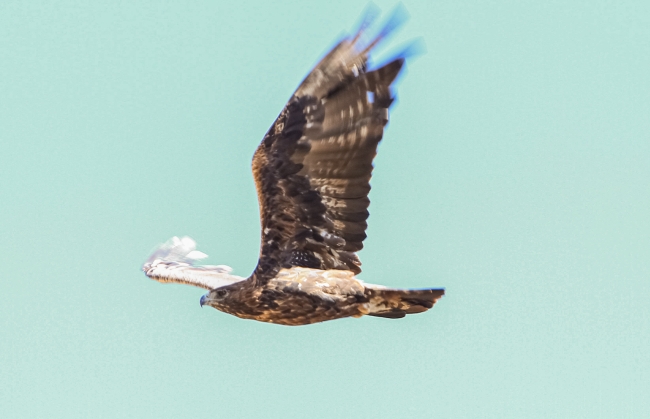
(396,303)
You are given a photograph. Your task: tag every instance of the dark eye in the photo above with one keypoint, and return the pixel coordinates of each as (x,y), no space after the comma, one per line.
(222,293)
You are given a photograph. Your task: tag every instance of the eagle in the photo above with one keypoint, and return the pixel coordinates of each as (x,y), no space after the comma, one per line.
(312,172)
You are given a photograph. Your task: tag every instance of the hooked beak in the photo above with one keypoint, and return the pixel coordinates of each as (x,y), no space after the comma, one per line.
(203,300)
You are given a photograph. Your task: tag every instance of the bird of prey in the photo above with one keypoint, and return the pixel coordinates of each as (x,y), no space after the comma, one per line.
(312,173)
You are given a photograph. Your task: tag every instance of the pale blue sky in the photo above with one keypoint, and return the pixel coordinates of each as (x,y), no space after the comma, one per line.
(515,172)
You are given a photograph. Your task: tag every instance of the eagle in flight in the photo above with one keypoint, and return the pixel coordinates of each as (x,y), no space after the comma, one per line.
(312,173)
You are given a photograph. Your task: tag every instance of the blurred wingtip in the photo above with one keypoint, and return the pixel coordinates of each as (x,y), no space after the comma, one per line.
(408,51)
(412,49)
(396,18)
(175,250)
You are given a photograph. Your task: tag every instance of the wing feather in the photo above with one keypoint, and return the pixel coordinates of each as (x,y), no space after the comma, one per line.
(313,167)
(173,262)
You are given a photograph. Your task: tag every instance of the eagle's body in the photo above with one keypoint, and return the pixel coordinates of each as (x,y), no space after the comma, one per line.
(295,296)
(312,173)
(298,296)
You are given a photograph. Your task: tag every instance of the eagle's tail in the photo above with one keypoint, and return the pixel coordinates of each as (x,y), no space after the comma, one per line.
(396,303)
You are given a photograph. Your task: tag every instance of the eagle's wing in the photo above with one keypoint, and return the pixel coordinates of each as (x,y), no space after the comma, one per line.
(313,167)
(174,260)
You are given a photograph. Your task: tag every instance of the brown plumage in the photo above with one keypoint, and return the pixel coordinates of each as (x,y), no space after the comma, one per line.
(312,173)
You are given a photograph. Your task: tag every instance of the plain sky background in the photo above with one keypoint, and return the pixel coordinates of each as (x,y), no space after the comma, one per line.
(515,172)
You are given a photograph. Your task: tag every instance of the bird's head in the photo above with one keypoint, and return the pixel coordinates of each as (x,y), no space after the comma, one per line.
(218,298)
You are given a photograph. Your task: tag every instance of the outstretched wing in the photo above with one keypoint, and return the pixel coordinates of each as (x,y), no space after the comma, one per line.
(313,167)
(174,260)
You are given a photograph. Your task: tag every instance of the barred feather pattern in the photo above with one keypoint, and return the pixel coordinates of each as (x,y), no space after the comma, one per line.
(313,167)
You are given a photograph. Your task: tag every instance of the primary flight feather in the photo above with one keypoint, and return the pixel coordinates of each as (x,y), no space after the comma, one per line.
(312,173)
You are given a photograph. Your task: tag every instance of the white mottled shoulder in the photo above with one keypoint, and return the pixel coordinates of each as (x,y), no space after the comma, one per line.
(330,281)
(298,273)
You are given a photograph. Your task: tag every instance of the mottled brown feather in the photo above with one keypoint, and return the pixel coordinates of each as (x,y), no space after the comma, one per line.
(313,167)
